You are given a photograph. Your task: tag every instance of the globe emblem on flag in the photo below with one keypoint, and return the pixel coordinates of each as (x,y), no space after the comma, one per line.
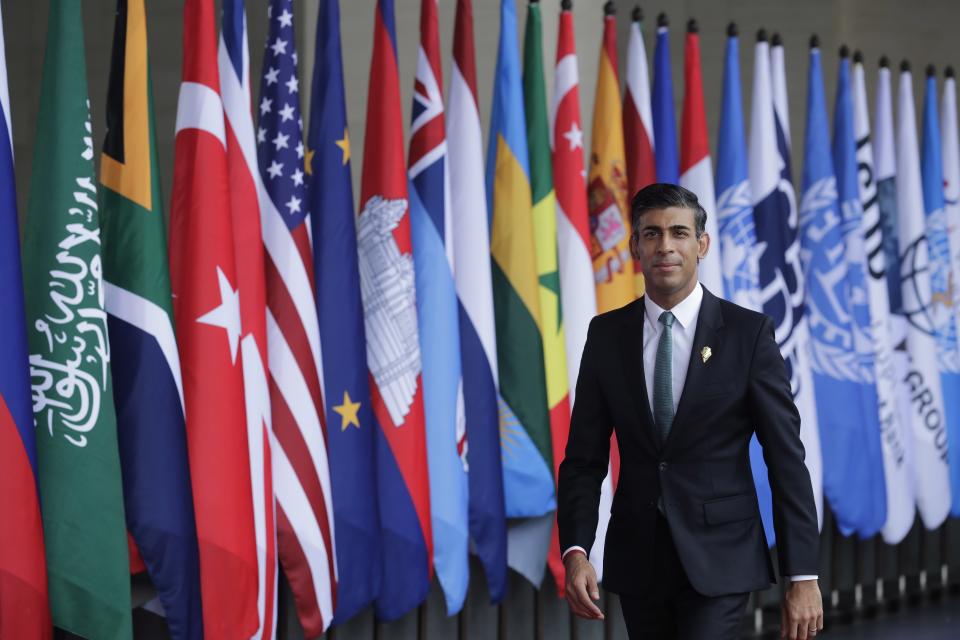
(918,297)
(386,285)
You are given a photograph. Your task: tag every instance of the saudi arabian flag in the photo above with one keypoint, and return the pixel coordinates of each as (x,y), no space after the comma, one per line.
(79,466)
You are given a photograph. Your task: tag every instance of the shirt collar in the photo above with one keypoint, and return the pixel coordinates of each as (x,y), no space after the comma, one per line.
(685,312)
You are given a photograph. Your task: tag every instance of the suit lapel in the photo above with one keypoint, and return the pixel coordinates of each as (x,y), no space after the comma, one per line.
(632,357)
(707,334)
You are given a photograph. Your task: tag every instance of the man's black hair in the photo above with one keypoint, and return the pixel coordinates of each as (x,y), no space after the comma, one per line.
(662,195)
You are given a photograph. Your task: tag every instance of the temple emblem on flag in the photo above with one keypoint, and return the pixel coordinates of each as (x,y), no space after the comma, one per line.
(386,282)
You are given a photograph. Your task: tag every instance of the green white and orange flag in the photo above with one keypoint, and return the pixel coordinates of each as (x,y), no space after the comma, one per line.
(545,241)
(77,455)
(607,183)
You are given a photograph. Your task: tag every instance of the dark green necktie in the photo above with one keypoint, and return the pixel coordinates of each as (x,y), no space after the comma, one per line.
(663,378)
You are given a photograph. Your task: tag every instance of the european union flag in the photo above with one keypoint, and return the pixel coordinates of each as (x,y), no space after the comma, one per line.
(350,425)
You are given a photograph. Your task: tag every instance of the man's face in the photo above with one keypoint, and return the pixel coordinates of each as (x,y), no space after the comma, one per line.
(667,247)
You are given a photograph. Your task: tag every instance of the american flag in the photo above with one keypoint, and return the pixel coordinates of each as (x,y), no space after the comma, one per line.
(300,464)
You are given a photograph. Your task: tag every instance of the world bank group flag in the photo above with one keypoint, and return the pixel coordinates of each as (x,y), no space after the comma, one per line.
(865,433)
(781,275)
(738,237)
(351,430)
(941,310)
(23,572)
(928,420)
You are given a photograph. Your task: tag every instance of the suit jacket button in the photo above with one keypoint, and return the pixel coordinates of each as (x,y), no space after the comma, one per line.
(651,504)
(663,466)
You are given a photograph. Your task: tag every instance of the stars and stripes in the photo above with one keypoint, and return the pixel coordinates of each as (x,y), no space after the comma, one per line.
(301,464)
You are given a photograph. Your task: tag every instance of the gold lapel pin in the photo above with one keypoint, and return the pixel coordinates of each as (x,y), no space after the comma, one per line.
(705,353)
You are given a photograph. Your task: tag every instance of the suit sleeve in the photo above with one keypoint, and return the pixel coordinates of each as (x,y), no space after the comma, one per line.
(778,430)
(587,455)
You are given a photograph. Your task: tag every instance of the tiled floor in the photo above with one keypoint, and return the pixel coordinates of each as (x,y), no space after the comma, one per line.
(931,620)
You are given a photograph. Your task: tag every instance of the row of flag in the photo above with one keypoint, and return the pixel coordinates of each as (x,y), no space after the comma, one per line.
(365,399)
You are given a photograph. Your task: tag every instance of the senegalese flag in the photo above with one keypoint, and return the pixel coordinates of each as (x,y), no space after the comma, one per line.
(545,242)
(524,417)
(76,427)
(148,390)
(607,182)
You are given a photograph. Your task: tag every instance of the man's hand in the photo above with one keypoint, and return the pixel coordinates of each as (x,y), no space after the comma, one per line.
(802,611)
(582,586)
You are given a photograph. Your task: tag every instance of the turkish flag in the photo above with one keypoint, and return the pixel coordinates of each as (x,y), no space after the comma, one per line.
(207,315)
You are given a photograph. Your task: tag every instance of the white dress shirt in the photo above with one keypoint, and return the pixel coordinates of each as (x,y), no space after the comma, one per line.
(686,313)
(684,328)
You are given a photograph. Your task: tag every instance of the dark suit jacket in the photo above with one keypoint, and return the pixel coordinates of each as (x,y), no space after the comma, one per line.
(702,471)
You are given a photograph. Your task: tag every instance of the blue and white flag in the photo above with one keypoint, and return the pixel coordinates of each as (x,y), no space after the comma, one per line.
(951,194)
(738,238)
(664,125)
(941,310)
(862,470)
(891,371)
(781,275)
(929,419)
(437,310)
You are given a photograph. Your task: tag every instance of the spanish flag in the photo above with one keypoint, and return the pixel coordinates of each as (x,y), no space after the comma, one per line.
(607,183)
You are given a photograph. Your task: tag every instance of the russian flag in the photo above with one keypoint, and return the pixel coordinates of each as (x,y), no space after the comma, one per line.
(23,572)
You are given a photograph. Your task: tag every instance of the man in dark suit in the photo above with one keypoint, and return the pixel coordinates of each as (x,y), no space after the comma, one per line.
(685,379)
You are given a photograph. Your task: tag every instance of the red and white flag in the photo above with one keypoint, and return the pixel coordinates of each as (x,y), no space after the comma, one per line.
(638,124)
(578,297)
(206,303)
(696,172)
(234,66)
(638,113)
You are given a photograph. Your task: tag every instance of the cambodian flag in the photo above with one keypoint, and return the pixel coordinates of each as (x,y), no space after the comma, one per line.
(387,284)
(24,611)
